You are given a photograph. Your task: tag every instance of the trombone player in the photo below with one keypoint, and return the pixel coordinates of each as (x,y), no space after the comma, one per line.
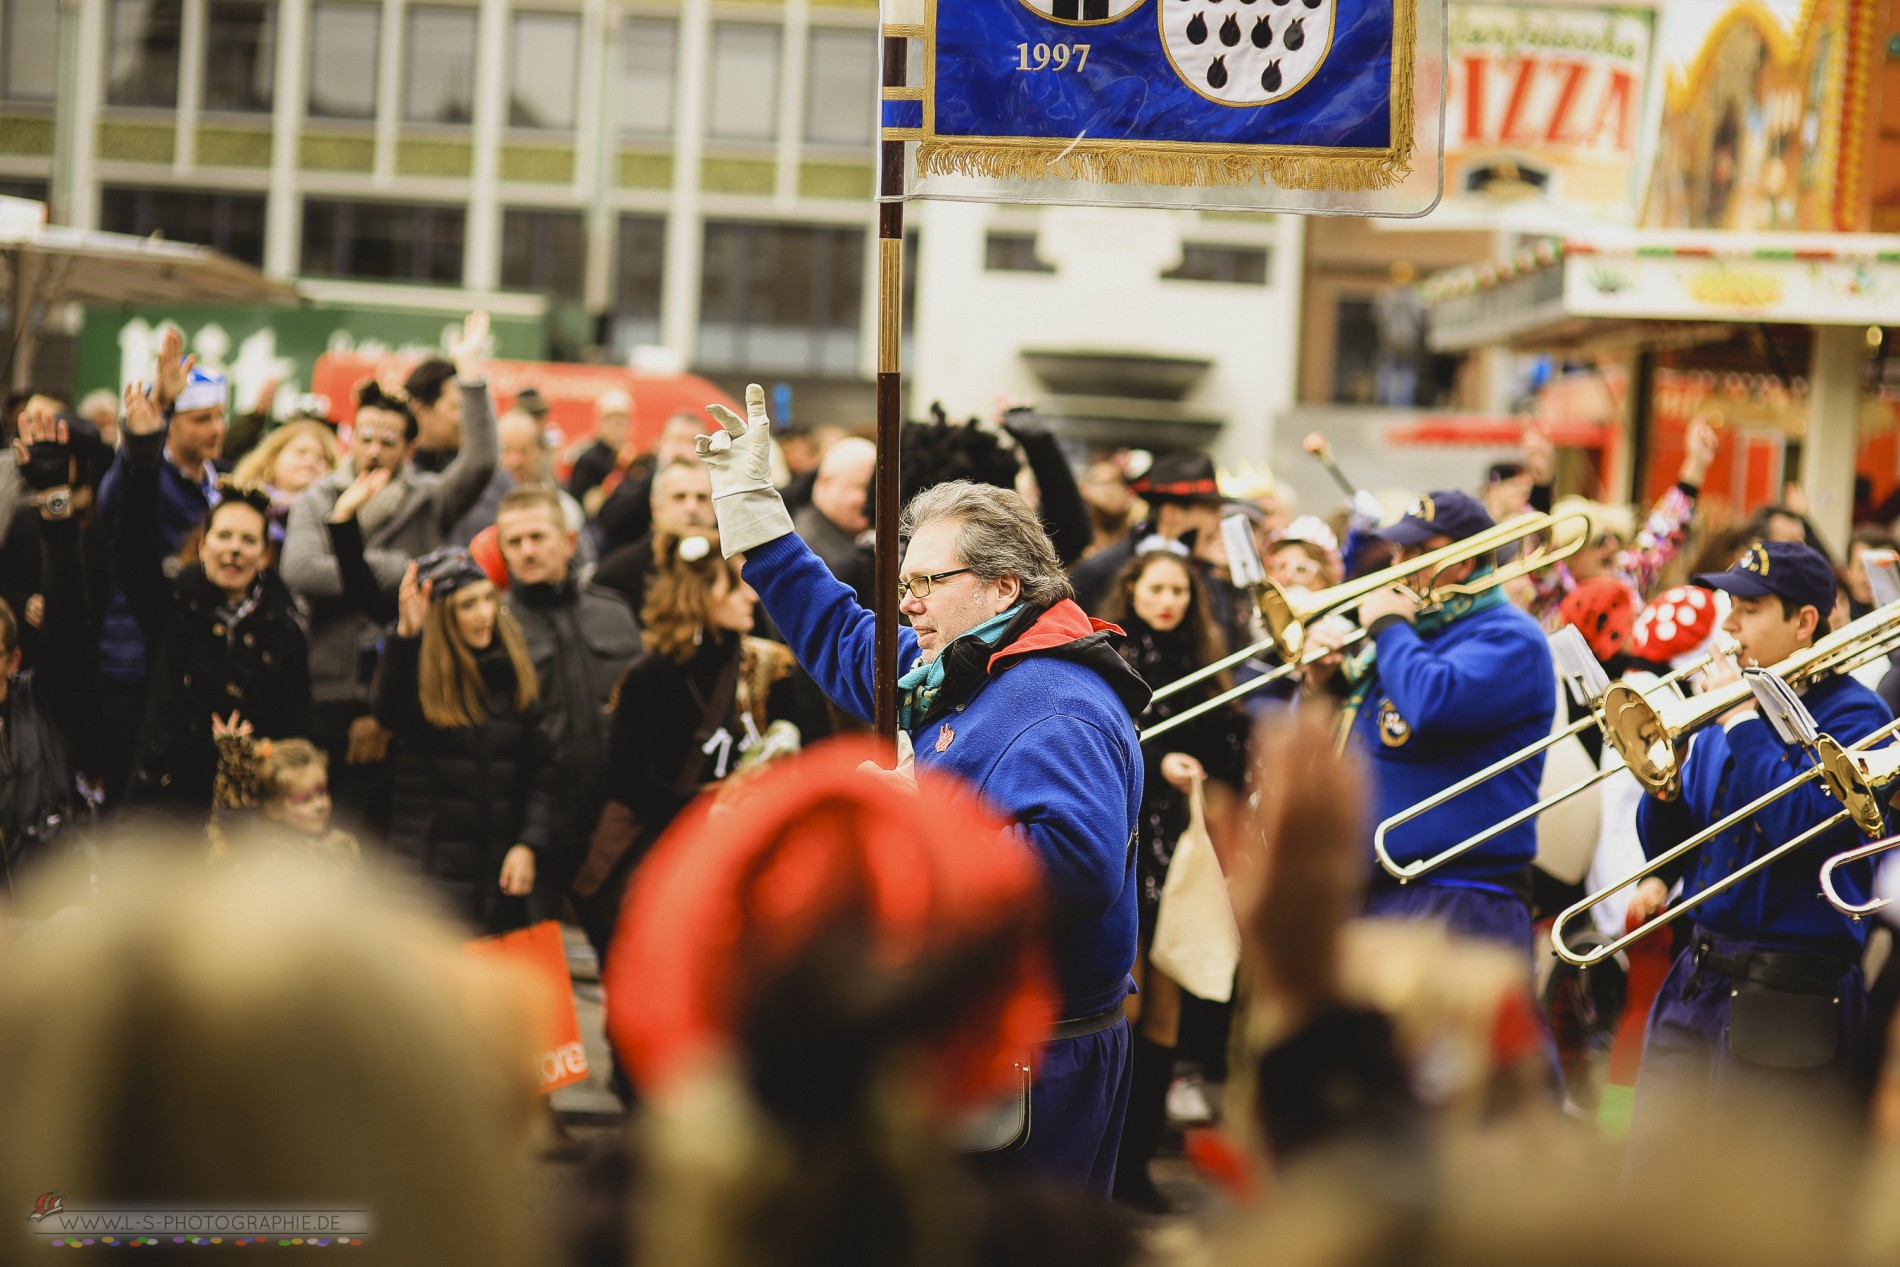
(1768,998)
(1436,693)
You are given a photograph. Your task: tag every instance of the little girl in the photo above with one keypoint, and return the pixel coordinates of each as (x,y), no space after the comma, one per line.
(285,784)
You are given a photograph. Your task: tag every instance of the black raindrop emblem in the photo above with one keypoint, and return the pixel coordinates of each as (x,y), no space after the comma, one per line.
(1230,31)
(1270,77)
(1197,30)
(1263,32)
(1217,73)
(1295,36)
(1311,4)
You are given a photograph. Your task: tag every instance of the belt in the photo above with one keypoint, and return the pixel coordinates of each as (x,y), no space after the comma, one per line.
(1776,969)
(1082,1026)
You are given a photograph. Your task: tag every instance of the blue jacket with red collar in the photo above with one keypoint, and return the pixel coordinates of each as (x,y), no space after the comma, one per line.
(1043,727)
(1781,908)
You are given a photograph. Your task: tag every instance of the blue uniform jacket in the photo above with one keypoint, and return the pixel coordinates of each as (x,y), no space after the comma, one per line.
(1783,907)
(1047,739)
(1444,705)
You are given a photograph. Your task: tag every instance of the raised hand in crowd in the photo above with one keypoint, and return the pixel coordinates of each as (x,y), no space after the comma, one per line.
(266,397)
(361,489)
(412,603)
(174,368)
(1698,452)
(1540,452)
(471,347)
(43,449)
(1296,881)
(231,727)
(144,415)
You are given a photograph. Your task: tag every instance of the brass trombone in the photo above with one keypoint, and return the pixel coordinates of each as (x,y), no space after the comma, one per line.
(1833,895)
(1649,735)
(1287,615)
(1404,872)
(1851,774)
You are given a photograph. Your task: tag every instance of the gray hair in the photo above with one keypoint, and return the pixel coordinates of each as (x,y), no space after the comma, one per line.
(1000,536)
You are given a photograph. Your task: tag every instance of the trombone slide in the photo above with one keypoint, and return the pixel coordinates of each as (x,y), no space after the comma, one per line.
(1841,763)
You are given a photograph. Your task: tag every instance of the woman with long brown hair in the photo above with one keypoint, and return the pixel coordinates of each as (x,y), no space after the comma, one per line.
(1161,605)
(702,701)
(472,807)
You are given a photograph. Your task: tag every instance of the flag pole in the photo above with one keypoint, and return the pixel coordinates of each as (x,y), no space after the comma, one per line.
(889,488)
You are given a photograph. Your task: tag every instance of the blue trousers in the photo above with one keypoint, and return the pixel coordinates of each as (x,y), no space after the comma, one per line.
(1687,1065)
(1477,913)
(1076,1107)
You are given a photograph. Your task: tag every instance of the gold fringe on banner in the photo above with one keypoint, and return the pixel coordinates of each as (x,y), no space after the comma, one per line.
(1190,163)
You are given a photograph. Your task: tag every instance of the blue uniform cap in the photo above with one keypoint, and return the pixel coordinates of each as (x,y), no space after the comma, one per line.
(1443,514)
(1799,573)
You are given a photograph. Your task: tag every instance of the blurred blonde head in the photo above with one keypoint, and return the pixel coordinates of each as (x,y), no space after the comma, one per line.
(259,1035)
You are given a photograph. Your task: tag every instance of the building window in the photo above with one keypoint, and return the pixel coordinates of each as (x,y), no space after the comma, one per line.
(345,39)
(780,298)
(743,83)
(31,190)
(1204,262)
(648,49)
(383,241)
(143,56)
(1012,253)
(544,251)
(29,34)
(228,222)
(841,88)
(240,55)
(1355,353)
(639,267)
(439,66)
(547,57)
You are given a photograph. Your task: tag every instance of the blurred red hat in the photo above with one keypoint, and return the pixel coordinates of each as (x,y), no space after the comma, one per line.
(746,881)
(485,548)
(1679,622)
(1603,609)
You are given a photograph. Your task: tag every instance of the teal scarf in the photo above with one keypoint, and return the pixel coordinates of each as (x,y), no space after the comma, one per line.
(1361,667)
(918,688)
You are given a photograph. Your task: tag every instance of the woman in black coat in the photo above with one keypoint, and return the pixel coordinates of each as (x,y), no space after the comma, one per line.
(1160,603)
(703,700)
(472,807)
(224,633)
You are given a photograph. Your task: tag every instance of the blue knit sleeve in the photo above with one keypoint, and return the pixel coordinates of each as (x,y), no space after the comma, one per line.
(1067,783)
(1473,686)
(834,638)
(1762,762)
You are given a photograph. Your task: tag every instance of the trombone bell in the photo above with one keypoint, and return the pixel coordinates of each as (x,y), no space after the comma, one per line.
(1285,626)
(1646,743)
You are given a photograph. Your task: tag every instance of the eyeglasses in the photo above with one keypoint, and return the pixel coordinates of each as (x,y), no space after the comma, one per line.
(920,585)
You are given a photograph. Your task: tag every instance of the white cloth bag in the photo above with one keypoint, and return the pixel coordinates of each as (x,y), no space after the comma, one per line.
(1197,941)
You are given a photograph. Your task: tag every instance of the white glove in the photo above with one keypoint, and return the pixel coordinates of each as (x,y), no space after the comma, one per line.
(750,510)
(1367,507)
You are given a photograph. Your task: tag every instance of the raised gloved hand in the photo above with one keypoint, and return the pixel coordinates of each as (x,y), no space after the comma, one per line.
(750,510)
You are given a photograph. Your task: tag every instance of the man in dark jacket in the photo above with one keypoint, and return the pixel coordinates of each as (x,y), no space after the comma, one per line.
(43,710)
(1183,496)
(837,514)
(1009,685)
(580,638)
(412,515)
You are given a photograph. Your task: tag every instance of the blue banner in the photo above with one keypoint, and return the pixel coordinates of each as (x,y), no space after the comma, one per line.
(1309,94)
